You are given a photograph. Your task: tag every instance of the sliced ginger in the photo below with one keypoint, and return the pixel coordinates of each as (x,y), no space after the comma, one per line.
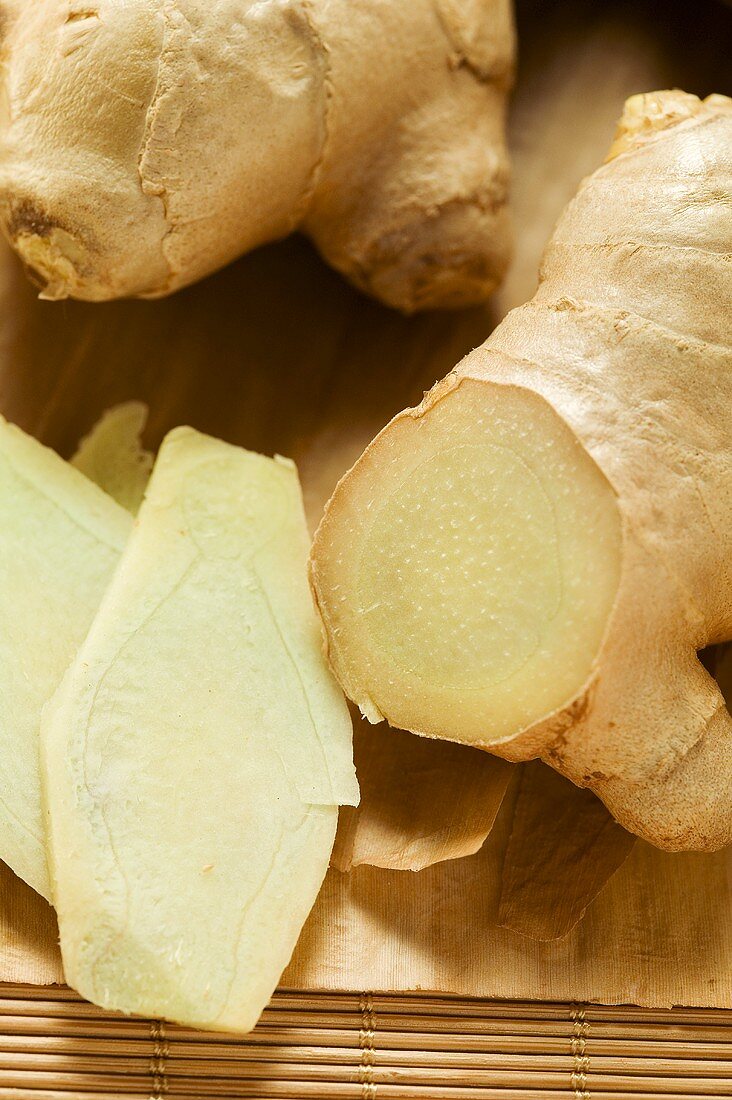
(198,749)
(532,559)
(112,454)
(60,539)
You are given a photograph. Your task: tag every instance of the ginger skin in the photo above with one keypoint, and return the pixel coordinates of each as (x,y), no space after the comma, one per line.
(627,347)
(375,128)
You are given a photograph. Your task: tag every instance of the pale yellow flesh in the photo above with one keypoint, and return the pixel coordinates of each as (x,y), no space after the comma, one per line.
(198,749)
(113,457)
(60,539)
(467,574)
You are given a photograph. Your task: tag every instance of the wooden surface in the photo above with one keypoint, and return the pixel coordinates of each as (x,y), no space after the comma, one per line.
(278,354)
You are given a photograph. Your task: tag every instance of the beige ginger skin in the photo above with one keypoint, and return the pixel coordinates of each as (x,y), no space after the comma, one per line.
(149,142)
(531,560)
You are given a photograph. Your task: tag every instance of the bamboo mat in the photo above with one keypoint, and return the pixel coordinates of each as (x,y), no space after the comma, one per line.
(54,1046)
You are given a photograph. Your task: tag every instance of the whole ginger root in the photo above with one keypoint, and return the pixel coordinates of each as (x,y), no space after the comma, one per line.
(150,142)
(531,560)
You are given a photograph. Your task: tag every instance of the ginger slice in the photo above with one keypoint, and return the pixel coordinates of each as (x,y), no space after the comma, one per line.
(60,540)
(112,454)
(197,751)
(467,566)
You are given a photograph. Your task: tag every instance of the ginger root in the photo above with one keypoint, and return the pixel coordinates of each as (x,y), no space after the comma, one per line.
(531,559)
(150,143)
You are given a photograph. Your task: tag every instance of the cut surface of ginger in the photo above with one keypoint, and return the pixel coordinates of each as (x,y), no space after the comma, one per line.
(112,454)
(483,579)
(197,751)
(60,539)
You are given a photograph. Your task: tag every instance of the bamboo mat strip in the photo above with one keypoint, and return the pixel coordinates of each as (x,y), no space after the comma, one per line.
(136,1078)
(638,1055)
(240,1060)
(137,1086)
(354,1092)
(54,1046)
(427,1004)
(409,1032)
(460,1067)
(317,1091)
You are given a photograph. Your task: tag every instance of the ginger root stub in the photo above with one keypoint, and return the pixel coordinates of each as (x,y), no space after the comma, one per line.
(531,559)
(149,143)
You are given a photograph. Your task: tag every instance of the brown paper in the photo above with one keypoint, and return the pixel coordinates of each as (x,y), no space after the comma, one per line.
(28,934)
(563,847)
(278,354)
(422,801)
(659,934)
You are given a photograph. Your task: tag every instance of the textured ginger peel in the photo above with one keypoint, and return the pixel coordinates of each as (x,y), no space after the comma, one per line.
(149,143)
(531,559)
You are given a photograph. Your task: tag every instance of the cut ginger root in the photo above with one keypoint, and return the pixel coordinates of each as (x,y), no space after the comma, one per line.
(530,560)
(113,457)
(197,751)
(376,129)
